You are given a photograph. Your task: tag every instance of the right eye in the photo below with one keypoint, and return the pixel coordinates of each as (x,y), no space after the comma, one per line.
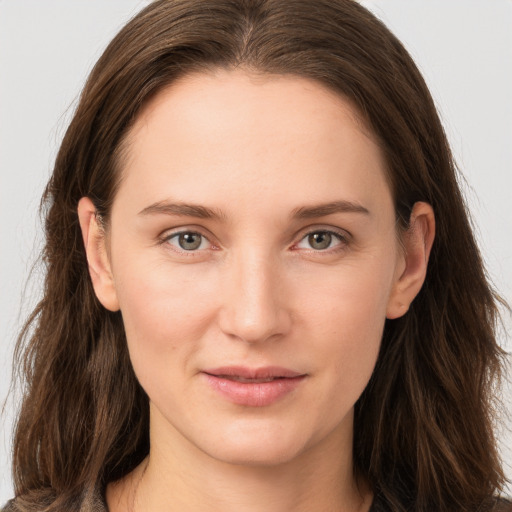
(188,241)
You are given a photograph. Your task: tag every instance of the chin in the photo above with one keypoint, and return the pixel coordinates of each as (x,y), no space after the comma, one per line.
(255,456)
(257,447)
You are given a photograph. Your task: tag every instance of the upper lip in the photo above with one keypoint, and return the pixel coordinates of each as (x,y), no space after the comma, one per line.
(244,372)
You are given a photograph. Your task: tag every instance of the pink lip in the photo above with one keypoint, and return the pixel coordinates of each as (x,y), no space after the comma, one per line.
(253,387)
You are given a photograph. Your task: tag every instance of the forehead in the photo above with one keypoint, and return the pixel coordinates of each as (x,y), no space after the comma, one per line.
(243,133)
(245,97)
(245,87)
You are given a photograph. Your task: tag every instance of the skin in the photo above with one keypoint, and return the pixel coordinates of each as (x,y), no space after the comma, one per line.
(255,150)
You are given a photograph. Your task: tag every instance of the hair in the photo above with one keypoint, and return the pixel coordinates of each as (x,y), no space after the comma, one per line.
(424,424)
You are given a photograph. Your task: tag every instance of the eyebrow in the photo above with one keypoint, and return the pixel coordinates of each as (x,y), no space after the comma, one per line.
(203,212)
(322,210)
(182,210)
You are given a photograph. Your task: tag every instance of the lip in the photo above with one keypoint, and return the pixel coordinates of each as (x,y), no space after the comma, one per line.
(253,387)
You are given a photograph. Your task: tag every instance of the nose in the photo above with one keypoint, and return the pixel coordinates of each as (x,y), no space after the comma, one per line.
(254,302)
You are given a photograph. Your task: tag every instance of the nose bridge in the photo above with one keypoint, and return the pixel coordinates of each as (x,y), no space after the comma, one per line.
(253,306)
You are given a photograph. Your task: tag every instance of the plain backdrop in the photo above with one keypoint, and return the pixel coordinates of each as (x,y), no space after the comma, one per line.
(47,48)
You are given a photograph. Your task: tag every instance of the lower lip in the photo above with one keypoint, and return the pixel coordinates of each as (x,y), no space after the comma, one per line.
(253,394)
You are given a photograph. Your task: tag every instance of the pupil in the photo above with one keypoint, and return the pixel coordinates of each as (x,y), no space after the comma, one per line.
(320,240)
(189,241)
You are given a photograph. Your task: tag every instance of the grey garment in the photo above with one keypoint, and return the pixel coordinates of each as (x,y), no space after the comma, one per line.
(96,503)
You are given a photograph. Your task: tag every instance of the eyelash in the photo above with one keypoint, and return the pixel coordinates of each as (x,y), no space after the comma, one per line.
(190,253)
(342,239)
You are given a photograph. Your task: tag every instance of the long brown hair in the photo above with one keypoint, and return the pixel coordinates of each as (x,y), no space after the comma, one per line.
(423,426)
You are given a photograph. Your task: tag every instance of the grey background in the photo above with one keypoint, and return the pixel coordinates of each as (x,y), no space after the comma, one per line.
(47,48)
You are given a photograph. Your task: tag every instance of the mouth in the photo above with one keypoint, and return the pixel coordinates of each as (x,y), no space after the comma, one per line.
(238,378)
(266,373)
(253,387)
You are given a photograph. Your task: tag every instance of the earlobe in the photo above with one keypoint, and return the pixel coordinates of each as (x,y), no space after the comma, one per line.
(417,244)
(94,240)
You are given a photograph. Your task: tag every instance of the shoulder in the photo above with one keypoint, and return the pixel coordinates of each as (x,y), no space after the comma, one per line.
(502,505)
(497,504)
(96,504)
(10,506)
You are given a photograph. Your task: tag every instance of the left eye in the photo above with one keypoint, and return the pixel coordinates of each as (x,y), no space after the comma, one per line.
(320,240)
(188,241)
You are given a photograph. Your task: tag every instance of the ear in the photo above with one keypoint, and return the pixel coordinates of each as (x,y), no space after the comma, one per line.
(417,243)
(95,245)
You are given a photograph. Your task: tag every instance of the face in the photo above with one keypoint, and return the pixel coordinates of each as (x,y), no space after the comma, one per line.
(253,254)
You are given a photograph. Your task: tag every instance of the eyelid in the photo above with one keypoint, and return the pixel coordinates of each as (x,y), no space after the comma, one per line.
(174,232)
(342,235)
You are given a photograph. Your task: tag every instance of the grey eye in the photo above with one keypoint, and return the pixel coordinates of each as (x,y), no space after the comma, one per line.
(320,240)
(190,241)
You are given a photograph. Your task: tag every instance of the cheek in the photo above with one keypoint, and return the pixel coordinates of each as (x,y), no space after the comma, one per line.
(346,315)
(165,313)
(351,298)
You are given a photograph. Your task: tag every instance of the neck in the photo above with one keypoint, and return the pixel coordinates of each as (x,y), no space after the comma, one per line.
(179,476)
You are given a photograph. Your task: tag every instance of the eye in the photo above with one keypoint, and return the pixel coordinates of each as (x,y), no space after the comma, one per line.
(188,241)
(321,240)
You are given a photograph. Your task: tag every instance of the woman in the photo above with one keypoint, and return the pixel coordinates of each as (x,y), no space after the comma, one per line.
(262,291)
